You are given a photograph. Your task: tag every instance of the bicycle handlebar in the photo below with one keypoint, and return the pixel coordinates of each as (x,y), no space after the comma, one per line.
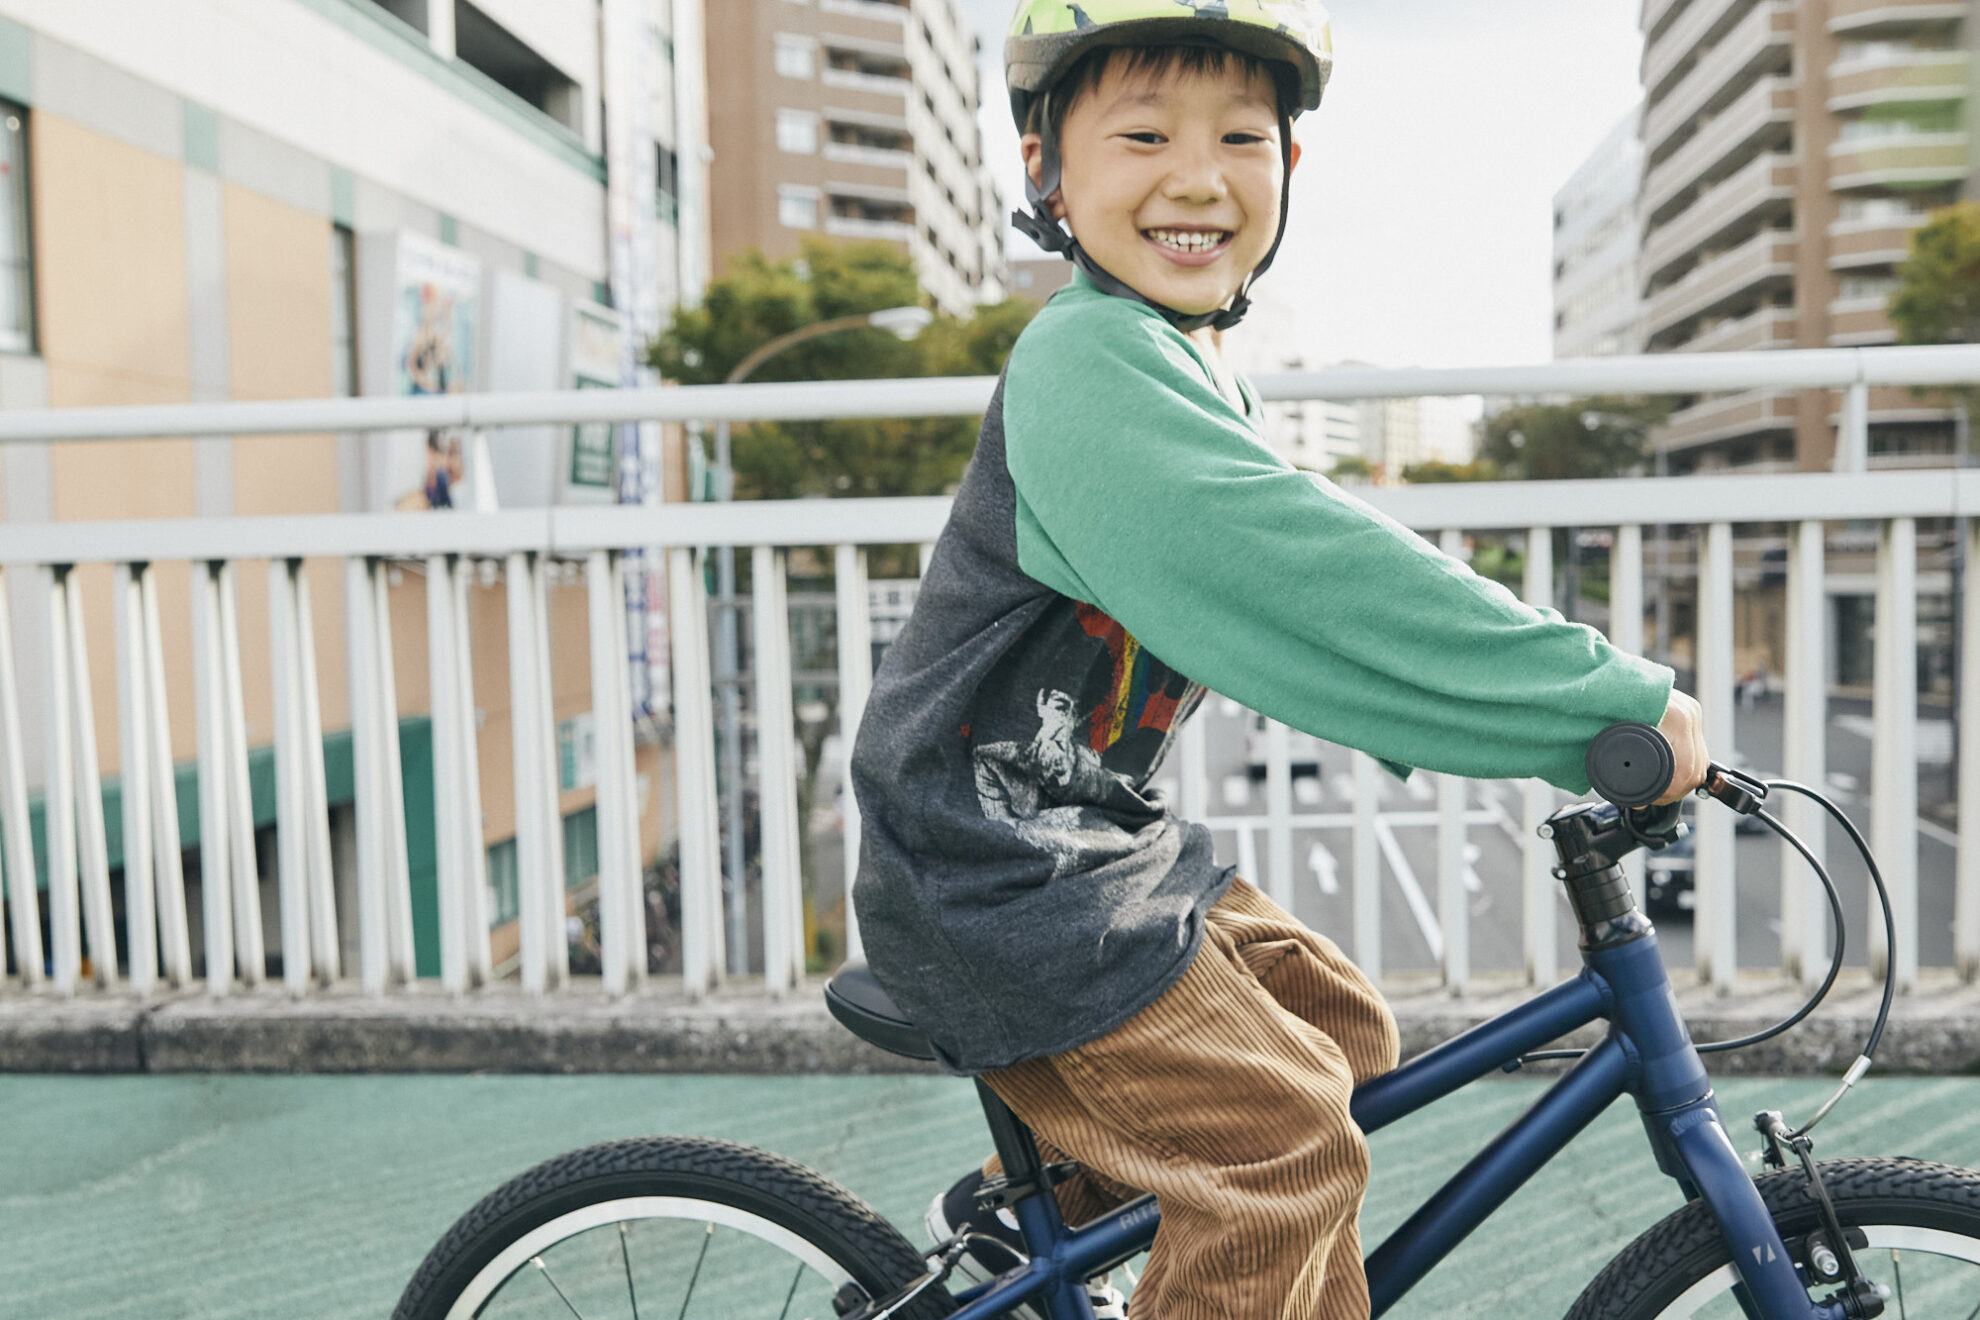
(1630,764)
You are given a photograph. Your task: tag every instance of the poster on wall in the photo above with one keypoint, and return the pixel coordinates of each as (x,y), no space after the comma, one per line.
(436,314)
(597,339)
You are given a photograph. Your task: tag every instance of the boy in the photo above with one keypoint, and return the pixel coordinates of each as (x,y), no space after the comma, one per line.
(1024,895)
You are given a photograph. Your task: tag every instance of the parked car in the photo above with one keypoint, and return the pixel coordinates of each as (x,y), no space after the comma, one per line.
(1304,750)
(1667,879)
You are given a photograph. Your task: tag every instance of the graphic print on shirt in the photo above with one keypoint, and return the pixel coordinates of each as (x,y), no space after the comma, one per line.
(1072,786)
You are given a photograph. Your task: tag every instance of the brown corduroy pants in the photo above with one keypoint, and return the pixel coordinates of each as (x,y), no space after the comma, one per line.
(1228,1099)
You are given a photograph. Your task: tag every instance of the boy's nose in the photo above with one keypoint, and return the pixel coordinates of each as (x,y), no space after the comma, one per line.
(1197,176)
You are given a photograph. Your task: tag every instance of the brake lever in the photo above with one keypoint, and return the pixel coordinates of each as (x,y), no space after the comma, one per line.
(1730,788)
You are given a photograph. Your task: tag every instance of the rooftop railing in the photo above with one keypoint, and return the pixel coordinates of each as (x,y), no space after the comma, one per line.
(344,908)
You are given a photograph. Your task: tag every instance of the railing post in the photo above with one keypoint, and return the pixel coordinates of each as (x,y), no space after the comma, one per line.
(1367,869)
(322,887)
(1853,435)
(290,863)
(474,850)
(367,772)
(215,874)
(401,966)
(250,958)
(619,741)
(694,734)
(533,830)
(1714,916)
(133,727)
(448,806)
(1453,902)
(174,935)
(557,949)
(1894,747)
(99,916)
(777,759)
(1539,899)
(1192,768)
(855,631)
(1626,630)
(610,711)
(1966,884)
(1278,876)
(23,889)
(1804,753)
(64,916)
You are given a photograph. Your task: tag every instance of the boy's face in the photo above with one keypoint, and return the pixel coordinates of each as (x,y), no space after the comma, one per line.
(1171,181)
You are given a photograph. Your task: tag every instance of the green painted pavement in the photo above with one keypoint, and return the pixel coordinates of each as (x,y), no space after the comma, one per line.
(220,1197)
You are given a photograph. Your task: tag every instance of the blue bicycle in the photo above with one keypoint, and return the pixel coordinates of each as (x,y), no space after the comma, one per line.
(686,1227)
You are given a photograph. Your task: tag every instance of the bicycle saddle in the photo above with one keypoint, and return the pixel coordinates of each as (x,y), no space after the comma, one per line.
(864,1009)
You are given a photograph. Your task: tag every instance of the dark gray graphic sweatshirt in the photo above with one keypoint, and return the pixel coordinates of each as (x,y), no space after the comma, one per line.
(1121,540)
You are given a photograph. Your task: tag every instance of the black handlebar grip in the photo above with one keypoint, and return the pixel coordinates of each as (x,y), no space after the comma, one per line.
(1630,764)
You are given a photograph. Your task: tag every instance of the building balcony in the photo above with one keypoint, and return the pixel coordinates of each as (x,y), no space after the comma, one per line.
(1756,192)
(881,11)
(853,80)
(1899,160)
(1858,322)
(841,226)
(1768,328)
(1727,417)
(1654,14)
(1880,242)
(1719,281)
(1865,17)
(852,153)
(1762,118)
(1923,75)
(1700,22)
(1762,42)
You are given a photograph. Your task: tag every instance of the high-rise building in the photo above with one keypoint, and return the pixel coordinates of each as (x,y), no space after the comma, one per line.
(855,119)
(1790,148)
(1597,305)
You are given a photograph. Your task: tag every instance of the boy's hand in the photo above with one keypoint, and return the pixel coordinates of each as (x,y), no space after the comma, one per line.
(1682,727)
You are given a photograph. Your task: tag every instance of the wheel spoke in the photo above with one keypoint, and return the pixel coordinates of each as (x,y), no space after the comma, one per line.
(1898,1269)
(694,1277)
(795,1280)
(544,1270)
(626,1256)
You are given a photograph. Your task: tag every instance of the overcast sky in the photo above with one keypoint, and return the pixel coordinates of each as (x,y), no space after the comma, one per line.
(1421,218)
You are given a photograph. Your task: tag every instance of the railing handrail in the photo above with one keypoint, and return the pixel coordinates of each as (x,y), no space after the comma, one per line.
(950,396)
(571,532)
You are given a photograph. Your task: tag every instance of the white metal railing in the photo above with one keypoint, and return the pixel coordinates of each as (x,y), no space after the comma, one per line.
(459,553)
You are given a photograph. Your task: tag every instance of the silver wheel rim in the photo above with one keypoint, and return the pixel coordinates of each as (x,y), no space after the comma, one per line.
(625,1209)
(1888,1237)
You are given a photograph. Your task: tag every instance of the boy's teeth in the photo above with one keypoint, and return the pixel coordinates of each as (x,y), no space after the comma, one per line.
(1187,240)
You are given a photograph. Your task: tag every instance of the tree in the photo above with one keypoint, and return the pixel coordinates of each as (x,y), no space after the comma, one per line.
(1586,438)
(1938,295)
(1433,472)
(758,299)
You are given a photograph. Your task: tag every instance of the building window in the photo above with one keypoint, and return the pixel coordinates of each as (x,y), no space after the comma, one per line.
(797,208)
(795,55)
(485,45)
(797,132)
(16,254)
(343,312)
(667,179)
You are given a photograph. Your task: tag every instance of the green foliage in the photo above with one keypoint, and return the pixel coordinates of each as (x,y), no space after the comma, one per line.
(1938,294)
(1433,472)
(1349,469)
(757,299)
(1585,438)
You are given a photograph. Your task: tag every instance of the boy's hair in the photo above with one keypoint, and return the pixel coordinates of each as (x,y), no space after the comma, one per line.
(1157,62)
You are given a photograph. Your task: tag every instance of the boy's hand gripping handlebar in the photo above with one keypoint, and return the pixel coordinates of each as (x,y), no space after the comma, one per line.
(1631,765)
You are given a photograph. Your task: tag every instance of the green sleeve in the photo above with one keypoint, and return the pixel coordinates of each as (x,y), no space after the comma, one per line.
(1141,491)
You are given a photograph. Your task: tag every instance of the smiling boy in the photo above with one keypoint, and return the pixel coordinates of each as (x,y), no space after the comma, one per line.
(1122,540)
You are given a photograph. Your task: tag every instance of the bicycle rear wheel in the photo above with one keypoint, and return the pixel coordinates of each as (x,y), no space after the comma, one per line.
(1921,1221)
(666,1226)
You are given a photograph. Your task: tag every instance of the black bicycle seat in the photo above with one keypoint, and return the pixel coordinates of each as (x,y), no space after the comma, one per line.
(864,1009)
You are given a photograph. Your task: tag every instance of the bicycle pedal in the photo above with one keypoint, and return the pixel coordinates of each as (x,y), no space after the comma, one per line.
(1108,1304)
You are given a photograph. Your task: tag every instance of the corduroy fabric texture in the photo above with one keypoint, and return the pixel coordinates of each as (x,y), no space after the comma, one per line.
(1227,1098)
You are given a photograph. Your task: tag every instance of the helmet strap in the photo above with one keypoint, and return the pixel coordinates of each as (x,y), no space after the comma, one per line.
(1044,229)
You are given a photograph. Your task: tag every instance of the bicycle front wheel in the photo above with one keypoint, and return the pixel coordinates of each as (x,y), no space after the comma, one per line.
(666,1226)
(1921,1222)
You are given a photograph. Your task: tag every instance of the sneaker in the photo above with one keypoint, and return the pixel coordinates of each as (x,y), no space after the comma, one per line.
(997,1246)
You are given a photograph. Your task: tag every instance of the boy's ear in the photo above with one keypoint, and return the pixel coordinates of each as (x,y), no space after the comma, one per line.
(1033,147)
(1292,158)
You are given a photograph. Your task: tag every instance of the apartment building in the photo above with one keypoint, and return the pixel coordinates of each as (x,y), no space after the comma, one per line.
(855,119)
(1790,148)
(264,199)
(1598,306)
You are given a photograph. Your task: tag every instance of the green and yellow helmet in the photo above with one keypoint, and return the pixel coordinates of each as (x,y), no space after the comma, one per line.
(1048,36)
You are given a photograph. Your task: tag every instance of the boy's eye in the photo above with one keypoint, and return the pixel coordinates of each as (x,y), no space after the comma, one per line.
(1243,139)
(1149,138)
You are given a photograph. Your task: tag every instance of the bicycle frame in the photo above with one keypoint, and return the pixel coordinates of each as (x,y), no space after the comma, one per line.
(1647,1054)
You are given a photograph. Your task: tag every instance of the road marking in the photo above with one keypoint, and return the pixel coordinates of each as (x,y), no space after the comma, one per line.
(1419,787)
(1931,739)
(1472,883)
(1237,790)
(1306,791)
(1933,830)
(1412,892)
(1325,870)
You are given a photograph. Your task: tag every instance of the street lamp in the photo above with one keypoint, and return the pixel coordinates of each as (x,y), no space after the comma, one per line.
(904,323)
